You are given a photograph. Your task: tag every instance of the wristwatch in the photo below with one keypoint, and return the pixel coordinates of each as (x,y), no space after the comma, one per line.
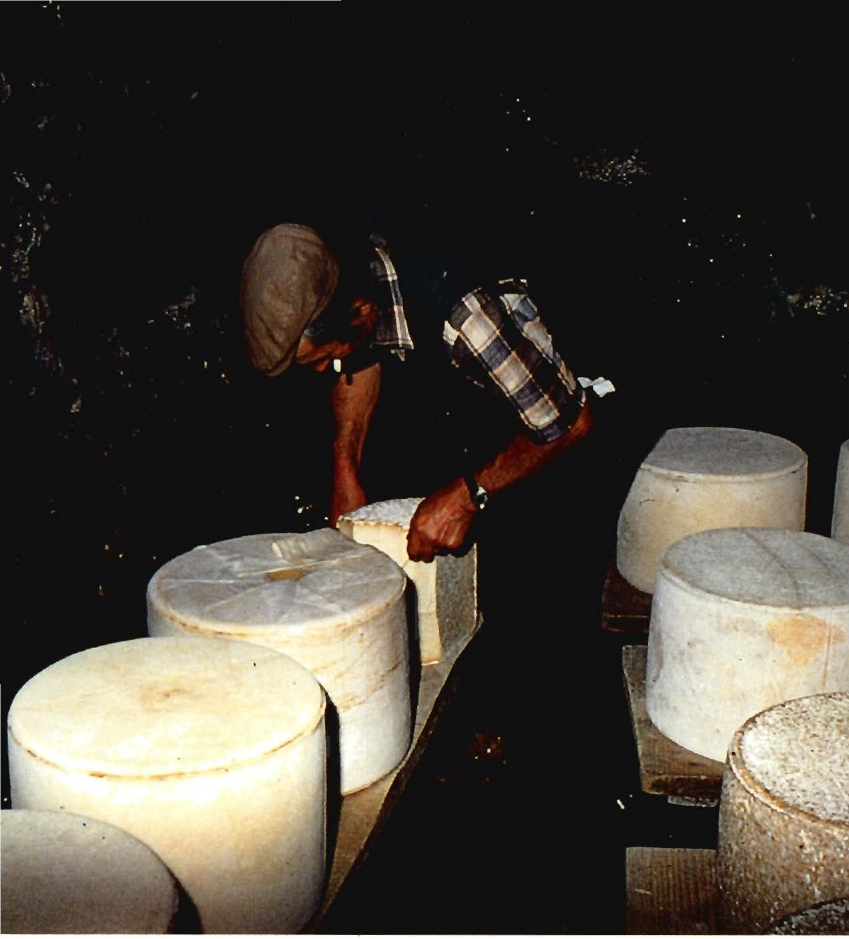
(477,493)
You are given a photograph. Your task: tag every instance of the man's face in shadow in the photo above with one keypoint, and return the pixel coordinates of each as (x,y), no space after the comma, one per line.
(336,342)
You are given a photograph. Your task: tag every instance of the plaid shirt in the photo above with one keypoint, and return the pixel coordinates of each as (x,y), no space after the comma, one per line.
(499,341)
(392,329)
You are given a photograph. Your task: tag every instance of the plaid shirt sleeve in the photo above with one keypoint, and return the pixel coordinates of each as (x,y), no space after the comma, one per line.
(503,334)
(392,329)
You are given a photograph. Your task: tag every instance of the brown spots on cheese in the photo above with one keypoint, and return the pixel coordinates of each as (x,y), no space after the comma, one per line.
(157,698)
(802,637)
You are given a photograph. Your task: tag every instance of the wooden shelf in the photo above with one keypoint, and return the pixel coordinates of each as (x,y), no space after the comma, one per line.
(624,609)
(670,891)
(363,814)
(665,767)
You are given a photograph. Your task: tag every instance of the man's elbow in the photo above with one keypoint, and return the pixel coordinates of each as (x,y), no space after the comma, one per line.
(579,429)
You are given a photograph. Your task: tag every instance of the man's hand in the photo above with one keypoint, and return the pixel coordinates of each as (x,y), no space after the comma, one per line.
(441,522)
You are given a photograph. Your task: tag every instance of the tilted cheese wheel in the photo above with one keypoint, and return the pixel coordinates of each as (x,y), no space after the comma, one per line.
(335,606)
(743,618)
(445,589)
(65,873)
(697,478)
(784,813)
(211,752)
(840,515)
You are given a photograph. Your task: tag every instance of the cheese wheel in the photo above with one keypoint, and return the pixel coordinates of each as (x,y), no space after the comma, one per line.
(211,752)
(697,478)
(840,515)
(743,618)
(783,839)
(65,873)
(335,606)
(830,918)
(445,589)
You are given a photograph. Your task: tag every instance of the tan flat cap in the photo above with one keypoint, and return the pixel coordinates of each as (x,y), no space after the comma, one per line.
(287,280)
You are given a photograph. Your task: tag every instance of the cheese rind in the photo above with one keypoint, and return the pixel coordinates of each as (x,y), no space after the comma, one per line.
(445,589)
(210,752)
(840,513)
(334,606)
(698,478)
(830,918)
(65,873)
(783,840)
(741,619)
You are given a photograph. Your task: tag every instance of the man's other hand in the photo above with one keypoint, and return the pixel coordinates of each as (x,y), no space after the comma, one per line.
(441,522)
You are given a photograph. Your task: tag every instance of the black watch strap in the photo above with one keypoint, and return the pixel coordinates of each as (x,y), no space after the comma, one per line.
(477,493)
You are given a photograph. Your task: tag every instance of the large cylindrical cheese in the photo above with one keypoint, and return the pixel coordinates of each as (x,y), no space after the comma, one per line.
(840,514)
(66,873)
(698,478)
(211,752)
(783,839)
(743,618)
(445,589)
(335,606)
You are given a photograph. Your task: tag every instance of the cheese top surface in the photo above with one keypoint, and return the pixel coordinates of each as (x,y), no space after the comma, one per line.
(68,873)
(277,581)
(798,752)
(770,567)
(391,512)
(723,453)
(48,841)
(165,706)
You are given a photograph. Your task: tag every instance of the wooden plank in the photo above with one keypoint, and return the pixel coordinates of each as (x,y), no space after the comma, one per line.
(624,609)
(363,814)
(670,891)
(665,767)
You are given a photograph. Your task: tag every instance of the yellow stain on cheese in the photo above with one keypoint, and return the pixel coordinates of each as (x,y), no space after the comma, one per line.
(802,637)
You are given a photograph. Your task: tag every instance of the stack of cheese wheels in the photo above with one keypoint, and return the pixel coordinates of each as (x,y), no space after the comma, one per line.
(784,813)
(335,606)
(210,752)
(698,478)
(64,873)
(741,619)
(445,589)
(840,515)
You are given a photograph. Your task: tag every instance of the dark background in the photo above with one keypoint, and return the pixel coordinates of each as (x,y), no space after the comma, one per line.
(670,177)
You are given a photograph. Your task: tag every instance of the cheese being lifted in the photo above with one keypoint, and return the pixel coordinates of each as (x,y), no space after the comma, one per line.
(210,752)
(66,873)
(334,606)
(445,589)
(697,478)
(743,618)
(783,841)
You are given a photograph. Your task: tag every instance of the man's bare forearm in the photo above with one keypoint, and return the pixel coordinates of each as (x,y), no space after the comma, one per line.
(522,457)
(353,405)
(442,520)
